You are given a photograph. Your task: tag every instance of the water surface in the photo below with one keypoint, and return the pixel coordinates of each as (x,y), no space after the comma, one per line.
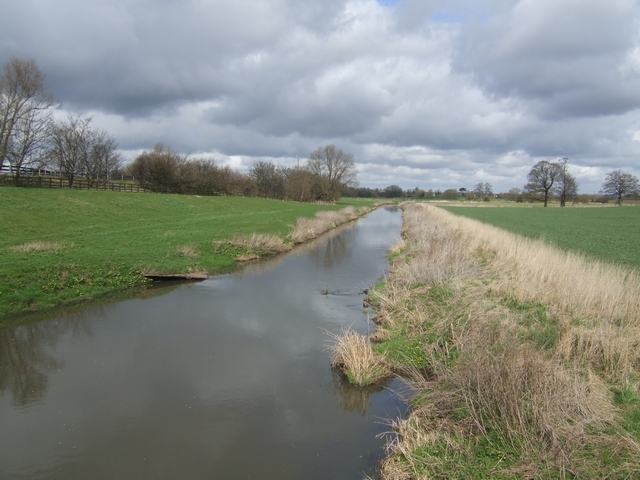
(226,378)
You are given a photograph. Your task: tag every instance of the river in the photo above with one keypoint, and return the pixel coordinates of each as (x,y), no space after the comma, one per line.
(227,378)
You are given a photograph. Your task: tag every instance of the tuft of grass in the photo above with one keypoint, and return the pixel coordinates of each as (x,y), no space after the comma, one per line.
(36,247)
(187,251)
(351,354)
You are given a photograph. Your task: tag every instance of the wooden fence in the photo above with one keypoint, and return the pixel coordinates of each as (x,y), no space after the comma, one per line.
(79,184)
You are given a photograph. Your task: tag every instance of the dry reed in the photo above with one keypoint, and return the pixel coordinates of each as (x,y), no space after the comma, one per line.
(351,354)
(306,229)
(265,243)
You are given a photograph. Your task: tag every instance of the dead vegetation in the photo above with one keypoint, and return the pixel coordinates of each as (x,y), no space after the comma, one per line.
(187,251)
(38,247)
(352,355)
(306,229)
(261,244)
(522,349)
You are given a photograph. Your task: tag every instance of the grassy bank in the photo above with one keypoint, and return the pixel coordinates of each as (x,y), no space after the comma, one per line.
(59,246)
(606,233)
(524,359)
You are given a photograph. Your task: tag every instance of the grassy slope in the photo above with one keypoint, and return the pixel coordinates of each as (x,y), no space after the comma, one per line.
(107,238)
(609,234)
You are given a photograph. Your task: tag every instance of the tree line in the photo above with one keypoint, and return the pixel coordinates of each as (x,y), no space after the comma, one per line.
(547,178)
(328,174)
(30,138)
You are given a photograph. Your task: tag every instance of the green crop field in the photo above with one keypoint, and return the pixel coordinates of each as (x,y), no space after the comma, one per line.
(611,234)
(61,245)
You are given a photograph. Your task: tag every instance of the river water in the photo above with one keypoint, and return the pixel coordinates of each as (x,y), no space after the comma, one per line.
(228,378)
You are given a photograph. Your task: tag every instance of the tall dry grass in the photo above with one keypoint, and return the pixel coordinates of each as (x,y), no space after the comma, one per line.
(597,304)
(539,418)
(259,245)
(351,354)
(262,242)
(306,229)
(524,345)
(532,270)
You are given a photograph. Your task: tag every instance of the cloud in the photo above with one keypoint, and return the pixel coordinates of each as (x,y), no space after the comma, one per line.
(420,91)
(565,58)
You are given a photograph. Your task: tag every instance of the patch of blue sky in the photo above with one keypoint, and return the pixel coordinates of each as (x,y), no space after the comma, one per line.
(388,3)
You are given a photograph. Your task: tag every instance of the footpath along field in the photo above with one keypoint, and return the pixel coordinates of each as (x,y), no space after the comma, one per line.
(63,245)
(608,233)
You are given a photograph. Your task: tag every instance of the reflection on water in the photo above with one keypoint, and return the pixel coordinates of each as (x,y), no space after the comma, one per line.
(25,362)
(148,290)
(355,399)
(225,378)
(27,355)
(326,243)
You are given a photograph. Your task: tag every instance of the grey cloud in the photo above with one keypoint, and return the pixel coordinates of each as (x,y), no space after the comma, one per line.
(566,55)
(132,57)
(332,105)
(457,91)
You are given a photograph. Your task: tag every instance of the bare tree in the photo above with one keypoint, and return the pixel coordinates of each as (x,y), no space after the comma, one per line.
(270,179)
(541,179)
(620,184)
(71,143)
(513,194)
(299,186)
(566,185)
(28,142)
(334,165)
(103,157)
(24,107)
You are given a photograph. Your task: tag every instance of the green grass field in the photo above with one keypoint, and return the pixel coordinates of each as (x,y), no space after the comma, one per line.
(62,245)
(611,234)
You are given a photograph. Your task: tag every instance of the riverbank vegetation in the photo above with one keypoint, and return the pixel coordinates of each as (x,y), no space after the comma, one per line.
(524,359)
(604,233)
(61,246)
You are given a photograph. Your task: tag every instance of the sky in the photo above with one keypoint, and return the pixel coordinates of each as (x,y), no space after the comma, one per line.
(424,93)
